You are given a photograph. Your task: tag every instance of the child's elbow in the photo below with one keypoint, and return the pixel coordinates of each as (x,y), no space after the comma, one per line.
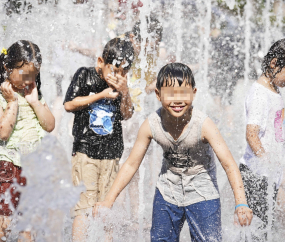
(4,136)
(68,107)
(49,128)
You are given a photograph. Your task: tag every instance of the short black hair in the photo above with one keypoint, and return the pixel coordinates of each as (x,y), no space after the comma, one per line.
(172,71)
(119,50)
(277,50)
(154,27)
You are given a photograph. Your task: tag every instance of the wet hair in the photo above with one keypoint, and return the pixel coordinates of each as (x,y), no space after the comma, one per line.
(277,50)
(168,75)
(22,52)
(154,27)
(119,50)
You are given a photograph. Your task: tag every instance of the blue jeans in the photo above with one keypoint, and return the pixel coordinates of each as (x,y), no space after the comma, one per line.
(203,218)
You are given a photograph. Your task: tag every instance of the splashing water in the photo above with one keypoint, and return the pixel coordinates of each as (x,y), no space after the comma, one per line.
(46,200)
(202,34)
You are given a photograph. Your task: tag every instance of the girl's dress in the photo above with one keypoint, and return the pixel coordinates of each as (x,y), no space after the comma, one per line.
(25,137)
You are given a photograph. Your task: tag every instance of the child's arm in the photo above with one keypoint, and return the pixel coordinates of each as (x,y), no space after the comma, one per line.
(211,134)
(42,111)
(129,168)
(9,116)
(80,103)
(83,51)
(253,140)
(120,84)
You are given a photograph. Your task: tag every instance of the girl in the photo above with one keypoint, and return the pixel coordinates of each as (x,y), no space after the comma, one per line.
(24,118)
(187,185)
(261,163)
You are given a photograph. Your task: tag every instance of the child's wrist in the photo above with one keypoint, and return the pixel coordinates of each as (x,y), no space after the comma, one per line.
(241,205)
(35,103)
(14,100)
(125,93)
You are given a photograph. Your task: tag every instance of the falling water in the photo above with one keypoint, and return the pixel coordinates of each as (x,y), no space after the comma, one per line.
(187,37)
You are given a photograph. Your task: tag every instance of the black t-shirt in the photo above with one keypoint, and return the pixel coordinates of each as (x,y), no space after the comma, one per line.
(97,129)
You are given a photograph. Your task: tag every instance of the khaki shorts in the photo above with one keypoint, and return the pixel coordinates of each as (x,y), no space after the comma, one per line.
(97,176)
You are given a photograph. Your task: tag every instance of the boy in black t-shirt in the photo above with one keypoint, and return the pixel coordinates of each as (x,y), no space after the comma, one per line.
(100,99)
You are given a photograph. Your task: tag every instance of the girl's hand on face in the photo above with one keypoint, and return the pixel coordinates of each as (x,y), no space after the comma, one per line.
(7,92)
(31,93)
(119,83)
(108,93)
(243,216)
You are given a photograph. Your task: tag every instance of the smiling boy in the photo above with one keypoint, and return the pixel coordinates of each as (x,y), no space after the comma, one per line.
(100,99)
(187,184)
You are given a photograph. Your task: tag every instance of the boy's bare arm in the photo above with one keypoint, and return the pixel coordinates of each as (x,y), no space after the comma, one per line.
(129,168)
(211,134)
(83,51)
(126,107)
(80,103)
(253,140)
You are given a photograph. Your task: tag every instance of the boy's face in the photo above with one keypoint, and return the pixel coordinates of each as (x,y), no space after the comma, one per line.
(176,100)
(111,69)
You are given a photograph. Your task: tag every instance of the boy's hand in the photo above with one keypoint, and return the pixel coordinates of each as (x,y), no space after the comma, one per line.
(108,93)
(119,83)
(7,92)
(243,216)
(100,204)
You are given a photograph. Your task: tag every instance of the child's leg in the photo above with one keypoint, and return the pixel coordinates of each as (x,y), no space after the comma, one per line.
(86,170)
(204,220)
(79,228)
(167,220)
(108,173)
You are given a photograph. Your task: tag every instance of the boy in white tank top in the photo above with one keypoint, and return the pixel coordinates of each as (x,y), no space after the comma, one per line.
(187,186)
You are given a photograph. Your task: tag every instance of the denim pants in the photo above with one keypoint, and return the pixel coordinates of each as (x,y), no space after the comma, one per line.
(203,218)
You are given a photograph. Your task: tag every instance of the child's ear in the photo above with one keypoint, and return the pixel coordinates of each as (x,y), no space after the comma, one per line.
(131,36)
(100,62)
(157,93)
(273,63)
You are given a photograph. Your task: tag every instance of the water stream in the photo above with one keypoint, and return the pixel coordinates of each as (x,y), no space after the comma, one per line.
(213,39)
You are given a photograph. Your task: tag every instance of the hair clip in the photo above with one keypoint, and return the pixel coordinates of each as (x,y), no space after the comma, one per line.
(4,51)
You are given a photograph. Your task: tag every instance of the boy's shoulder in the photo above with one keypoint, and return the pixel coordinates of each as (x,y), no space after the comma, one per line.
(86,70)
(88,75)
(155,114)
(198,115)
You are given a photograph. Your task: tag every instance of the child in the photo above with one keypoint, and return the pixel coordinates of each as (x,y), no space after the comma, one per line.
(24,116)
(265,136)
(100,99)
(187,185)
